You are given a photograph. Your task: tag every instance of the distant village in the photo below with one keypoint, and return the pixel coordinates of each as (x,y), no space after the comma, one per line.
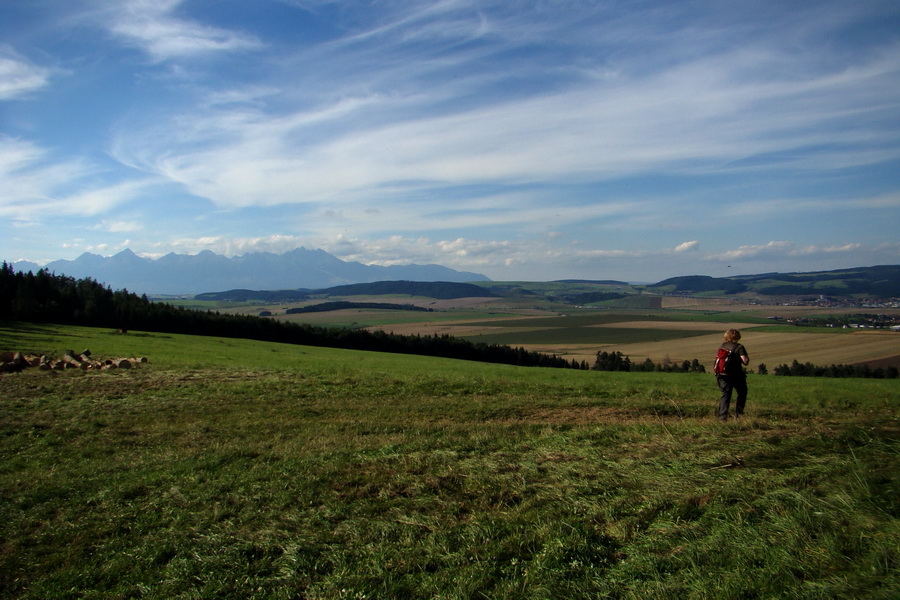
(862,320)
(861,303)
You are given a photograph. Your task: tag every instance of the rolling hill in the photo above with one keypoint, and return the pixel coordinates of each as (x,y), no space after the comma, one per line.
(862,282)
(880,281)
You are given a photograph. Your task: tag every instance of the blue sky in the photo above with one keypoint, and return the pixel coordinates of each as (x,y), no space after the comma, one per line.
(528,140)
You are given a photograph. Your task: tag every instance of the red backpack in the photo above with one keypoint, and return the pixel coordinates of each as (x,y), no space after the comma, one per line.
(723,360)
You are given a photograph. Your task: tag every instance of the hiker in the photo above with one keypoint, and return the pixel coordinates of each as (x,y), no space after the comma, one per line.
(730,374)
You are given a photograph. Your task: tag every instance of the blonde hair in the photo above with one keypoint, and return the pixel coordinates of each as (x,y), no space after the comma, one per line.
(732,335)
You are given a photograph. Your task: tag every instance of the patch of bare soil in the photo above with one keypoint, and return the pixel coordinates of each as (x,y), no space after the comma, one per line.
(883,363)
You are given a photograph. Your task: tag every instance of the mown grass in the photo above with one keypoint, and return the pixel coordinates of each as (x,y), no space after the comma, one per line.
(236,469)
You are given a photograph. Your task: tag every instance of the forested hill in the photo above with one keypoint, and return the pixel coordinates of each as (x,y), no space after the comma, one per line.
(877,282)
(440,290)
(869,282)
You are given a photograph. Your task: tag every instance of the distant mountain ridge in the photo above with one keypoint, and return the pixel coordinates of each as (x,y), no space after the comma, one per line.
(182,274)
(882,281)
(300,272)
(440,290)
(861,282)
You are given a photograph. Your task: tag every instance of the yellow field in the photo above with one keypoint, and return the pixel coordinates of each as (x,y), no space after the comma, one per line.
(770,348)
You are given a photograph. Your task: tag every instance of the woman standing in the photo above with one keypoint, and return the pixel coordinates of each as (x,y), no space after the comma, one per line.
(734,378)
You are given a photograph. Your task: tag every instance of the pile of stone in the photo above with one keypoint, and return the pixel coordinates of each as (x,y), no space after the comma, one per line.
(12,362)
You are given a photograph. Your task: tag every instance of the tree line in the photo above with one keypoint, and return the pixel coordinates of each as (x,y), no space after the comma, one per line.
(616,361)
(798,369)
(344,304)
(43,297)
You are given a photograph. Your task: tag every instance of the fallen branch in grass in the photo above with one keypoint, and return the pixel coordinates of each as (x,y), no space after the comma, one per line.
(737,463)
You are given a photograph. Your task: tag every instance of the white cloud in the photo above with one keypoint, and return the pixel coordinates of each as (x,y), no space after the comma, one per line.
(889,200)
(37,187)
(687,246)
(228,246)
(813,249)
(786,249)
(754,251)
(783,206)
(19,77)
(150,25)
(119,226)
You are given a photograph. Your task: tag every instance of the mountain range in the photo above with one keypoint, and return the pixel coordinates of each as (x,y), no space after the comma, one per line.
(302,271)
(182,274)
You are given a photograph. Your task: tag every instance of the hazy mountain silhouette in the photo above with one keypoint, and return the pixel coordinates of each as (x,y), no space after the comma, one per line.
(207,271)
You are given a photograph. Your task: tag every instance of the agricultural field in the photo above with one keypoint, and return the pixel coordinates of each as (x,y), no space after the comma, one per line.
(226,468)
(658,335)
(676,329)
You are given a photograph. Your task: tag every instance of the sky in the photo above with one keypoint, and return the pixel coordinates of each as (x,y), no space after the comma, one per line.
(523,140)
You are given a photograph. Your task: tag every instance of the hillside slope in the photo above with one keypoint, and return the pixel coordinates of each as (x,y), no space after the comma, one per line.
(881,281)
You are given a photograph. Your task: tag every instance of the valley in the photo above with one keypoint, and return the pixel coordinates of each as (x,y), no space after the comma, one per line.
(680,328)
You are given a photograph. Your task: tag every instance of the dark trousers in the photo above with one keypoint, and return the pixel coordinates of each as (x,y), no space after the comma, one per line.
(727,385)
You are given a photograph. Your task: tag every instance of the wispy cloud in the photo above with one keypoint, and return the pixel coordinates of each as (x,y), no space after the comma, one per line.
(36,185)
(228,246)
(783,249)
(18,76)
(710,114)
(152,26)
(113,226)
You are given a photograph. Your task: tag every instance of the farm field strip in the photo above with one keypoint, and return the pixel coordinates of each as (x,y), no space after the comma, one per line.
(372,319)
(596,335)
(770,348)
(667,325)
(777,348)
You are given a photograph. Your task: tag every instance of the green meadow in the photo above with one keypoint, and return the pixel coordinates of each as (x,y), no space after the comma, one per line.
(227,468)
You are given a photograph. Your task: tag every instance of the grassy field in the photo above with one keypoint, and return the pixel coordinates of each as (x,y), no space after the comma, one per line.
(235,469)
